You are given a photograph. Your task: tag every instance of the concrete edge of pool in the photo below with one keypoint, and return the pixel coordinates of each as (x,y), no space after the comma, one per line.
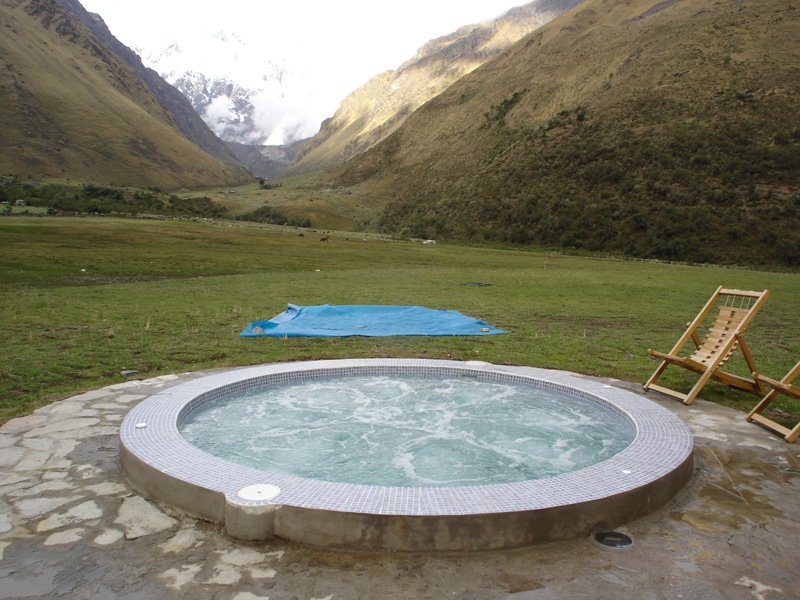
(256,505)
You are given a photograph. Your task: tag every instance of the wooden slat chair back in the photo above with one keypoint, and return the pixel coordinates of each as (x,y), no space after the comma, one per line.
(736,309)
(729,320)
(783,387)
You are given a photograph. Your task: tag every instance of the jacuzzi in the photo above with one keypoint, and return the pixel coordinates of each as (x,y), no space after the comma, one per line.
(255,504)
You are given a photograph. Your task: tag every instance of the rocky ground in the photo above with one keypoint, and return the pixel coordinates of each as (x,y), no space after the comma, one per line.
(70,527)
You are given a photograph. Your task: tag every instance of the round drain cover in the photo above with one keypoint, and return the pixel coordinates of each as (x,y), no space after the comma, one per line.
(613,539)
(257,492)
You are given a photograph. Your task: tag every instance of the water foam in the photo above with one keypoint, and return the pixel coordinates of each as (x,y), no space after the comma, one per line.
(408,431)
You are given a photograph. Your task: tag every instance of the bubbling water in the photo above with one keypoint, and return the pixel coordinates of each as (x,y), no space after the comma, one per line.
(406,431)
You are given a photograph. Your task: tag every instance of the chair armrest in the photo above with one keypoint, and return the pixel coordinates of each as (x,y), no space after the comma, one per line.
(788,389)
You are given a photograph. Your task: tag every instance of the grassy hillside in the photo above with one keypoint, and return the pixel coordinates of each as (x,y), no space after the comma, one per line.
(186,118)
(70,108)
(663,130)
(374,111)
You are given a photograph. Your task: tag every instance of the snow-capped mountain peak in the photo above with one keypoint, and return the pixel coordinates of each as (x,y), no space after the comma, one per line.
(241,104)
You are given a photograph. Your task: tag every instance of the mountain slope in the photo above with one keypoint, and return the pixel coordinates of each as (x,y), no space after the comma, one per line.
(374,111)
(69,107)
(266,161)
(188,121)
(657,129)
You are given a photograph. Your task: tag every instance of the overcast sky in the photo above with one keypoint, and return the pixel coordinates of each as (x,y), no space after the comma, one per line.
(330,48)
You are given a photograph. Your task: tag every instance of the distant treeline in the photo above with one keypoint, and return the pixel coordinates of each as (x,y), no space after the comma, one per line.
(90,198)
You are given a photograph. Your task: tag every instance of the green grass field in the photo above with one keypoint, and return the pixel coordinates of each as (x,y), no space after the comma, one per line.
(84,299)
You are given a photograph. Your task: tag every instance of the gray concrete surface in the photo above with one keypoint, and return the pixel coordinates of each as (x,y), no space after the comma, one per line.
(70,527)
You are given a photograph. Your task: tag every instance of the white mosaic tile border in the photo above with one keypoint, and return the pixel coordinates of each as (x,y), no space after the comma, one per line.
(662,443)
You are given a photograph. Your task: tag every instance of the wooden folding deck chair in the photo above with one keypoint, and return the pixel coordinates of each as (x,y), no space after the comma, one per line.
(736,309)
(785,387)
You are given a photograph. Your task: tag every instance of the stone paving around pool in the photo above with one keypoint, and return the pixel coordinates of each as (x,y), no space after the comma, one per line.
(70,527)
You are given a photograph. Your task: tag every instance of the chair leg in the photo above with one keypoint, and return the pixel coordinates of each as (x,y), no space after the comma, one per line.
(762,405)
(790,435)
(748,357)
(698,386)
(655,375)
(778,387)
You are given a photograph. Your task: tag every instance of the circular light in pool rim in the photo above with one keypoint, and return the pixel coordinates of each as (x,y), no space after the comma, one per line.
(613,539)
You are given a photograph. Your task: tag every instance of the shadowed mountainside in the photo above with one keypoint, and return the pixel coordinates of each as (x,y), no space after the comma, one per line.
(69,107)
(188,121)
(266,161)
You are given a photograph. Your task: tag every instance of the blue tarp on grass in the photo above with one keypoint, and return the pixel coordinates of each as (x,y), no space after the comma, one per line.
(365,320)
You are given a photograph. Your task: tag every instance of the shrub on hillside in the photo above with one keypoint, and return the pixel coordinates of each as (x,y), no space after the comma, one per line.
(267,214)
(699,191)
